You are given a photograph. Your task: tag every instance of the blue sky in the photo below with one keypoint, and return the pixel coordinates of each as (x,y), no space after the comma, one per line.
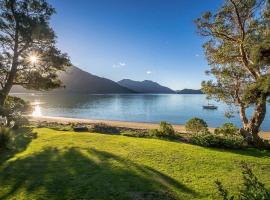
(136,39)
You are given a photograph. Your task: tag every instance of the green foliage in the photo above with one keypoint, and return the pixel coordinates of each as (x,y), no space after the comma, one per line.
(80,128)
(25,32)
(103,128)
(62,127)
(238,53)
(227,129)
(54,125)
(196,125)
(252,188)
(165,130)
(6,137)
(142,134)
(223,192)
(155,133)
(208,139)
(13,109)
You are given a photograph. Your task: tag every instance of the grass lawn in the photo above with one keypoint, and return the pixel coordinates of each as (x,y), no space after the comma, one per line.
(67,165)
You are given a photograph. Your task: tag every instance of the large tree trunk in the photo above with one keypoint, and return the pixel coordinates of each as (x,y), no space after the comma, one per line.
(12,74)
(2,99)
(5,91)
(251,127)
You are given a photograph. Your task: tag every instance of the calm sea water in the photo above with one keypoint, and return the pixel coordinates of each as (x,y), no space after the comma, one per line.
(174,108)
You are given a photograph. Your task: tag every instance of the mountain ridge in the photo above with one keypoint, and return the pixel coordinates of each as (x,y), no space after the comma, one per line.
(189,91)
(146,86)
(77,80)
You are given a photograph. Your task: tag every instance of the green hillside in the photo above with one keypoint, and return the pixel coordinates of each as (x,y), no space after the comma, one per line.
(67,165)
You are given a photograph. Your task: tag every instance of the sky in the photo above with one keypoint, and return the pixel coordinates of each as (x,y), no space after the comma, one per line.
(136,39)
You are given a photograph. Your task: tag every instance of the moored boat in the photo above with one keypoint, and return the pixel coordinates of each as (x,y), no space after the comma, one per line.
(210,107)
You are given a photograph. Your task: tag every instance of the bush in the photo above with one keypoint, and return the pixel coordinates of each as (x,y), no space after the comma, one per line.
(5,137)
(13,109)
(208,139)
(54,125)
(252,188)
(80,128)
(227,129)
(135,134)
(19,121)
(165,130)
(155,133)
(104,128)
(196,125)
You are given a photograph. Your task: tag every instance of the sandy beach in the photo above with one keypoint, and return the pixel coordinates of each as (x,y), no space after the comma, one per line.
(127,124)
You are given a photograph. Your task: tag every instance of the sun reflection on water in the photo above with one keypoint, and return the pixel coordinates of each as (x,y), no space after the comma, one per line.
(37,110)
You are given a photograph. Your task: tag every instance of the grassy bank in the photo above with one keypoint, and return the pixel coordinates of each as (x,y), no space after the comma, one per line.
(68,165)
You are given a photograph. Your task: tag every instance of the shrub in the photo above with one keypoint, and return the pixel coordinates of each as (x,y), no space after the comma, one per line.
(19,121)
(54,125)
(104,128)
(208,139)
(63,128)
(252,188)
(13,109)
(165,130)
(155,133)
(227,129)
(80,128)
(5,137)
(135,134)
(196,125)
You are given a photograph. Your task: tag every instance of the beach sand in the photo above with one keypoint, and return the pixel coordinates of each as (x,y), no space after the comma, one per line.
(126,124)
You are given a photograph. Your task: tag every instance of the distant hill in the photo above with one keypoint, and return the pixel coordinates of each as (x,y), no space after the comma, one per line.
(145,86)
(189,91)
(79,81)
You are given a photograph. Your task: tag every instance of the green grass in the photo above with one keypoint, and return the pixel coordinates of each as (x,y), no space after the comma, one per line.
(67,165)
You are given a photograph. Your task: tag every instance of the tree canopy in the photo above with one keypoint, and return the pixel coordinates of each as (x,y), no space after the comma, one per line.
(238,52)
(28,53)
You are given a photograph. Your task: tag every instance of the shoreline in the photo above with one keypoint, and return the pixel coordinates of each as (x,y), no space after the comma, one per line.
(125,124)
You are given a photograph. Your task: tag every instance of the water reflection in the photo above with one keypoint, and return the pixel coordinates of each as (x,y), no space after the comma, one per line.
(36,109)
(173,108)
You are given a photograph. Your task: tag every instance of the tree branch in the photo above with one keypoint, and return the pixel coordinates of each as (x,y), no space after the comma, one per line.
(239,21)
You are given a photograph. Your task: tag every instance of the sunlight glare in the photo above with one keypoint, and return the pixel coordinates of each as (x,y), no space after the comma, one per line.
(37,111)
(33,58)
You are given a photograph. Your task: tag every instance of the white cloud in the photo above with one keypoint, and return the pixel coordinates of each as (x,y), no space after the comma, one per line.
(119,65)
(148,72)
(197,55)
(122,64)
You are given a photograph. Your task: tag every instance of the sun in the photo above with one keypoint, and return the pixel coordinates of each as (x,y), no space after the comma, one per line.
(34,58)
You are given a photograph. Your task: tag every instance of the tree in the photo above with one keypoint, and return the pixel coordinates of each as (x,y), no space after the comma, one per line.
(238,52)
(28,55)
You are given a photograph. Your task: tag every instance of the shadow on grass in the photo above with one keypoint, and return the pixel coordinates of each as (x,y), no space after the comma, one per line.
(87,174)
(253,152)
(22,138)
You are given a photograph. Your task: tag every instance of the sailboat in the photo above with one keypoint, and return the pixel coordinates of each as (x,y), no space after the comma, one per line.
(210,106)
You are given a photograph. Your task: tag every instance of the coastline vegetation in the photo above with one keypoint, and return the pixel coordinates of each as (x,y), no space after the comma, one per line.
(197,132)
(66,165)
